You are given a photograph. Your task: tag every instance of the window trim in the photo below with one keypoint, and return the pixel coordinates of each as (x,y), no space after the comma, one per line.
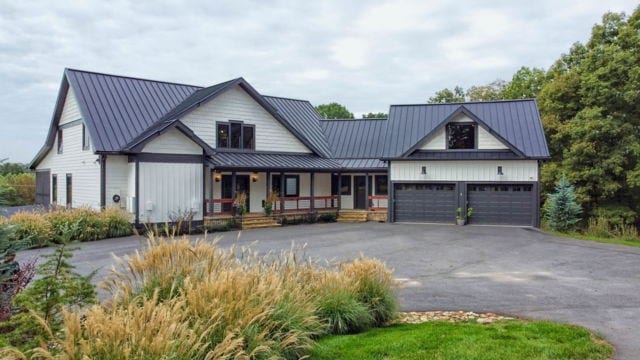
(275,182)
(59,140)
(69,190)
(85,138)
(475,135)
(242,127)
(54,188)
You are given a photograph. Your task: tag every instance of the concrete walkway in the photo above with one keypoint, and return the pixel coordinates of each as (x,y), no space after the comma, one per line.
(514,271)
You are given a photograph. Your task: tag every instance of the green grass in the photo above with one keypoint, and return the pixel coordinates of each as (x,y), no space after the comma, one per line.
(504,340)
(579,236)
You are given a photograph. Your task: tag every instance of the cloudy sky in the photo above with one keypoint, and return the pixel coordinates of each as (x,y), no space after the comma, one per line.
(365,55)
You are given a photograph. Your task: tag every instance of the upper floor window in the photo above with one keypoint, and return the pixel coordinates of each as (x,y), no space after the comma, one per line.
(59,141)
(461,136)
(235,135)
(85,137)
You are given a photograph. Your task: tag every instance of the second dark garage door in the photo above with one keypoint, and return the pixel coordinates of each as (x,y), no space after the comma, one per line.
(425,203)
(502,204)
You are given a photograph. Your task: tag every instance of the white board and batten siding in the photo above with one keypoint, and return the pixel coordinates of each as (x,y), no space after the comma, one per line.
(486,141)
(236,104)
(117,180)
(167,189)
(83,165)
(172,142)
(473,170)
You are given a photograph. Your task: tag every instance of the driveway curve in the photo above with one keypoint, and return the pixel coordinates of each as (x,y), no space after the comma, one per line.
(514,271)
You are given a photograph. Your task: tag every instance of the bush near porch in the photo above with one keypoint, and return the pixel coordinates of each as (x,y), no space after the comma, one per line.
(85,224)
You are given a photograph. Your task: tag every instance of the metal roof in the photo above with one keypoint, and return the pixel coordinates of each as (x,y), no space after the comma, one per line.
(265,161)
(117,109)
(355,138)
(303,117)
(362,164)
(516,121)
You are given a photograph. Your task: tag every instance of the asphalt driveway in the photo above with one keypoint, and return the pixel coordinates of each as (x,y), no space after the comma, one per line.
(514,271)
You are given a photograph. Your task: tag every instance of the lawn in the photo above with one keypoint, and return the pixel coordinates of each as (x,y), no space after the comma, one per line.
(612,240)
(514,339)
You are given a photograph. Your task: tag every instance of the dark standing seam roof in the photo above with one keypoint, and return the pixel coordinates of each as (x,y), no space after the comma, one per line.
(517,121)
(303,117)
(272,160)
(356,139)
(118,109)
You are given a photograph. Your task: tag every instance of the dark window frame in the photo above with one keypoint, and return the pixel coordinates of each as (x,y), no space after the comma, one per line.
(343,183)
(275,184)
(54,188)
(85,138)
(243,126)
(448,134)
(69,190)
(59,141)
(378,182)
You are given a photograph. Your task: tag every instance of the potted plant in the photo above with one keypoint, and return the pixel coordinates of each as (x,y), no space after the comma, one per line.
(240,203)
(460,220)
(272,198)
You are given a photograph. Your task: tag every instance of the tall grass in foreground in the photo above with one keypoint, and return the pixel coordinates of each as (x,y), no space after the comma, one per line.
(183,300)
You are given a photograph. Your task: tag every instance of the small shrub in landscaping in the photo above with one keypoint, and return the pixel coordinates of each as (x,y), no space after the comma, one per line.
(32,226)
(338,305)
(118,222)
(327,217)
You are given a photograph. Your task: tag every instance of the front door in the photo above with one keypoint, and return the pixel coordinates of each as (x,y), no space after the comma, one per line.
(359,193)
(242,185)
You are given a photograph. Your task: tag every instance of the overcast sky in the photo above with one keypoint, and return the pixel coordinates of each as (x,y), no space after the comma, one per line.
(365,55)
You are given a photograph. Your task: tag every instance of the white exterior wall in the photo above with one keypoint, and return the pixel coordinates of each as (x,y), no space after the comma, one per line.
(168,188)
(117,180)
(236,104)
(172,142)
(81,164)
(472,170)
(486,141)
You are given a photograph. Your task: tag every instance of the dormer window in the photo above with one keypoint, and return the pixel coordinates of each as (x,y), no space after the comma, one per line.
(235,135)
(461,136)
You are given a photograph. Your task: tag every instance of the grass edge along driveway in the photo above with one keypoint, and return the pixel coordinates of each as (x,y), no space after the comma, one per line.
(510,339)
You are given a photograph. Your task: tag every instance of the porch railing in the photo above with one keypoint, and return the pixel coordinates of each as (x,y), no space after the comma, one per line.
(302,203)
(378,202)
(217,206)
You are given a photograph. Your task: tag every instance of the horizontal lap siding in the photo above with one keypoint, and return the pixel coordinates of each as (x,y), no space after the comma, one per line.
(81,164)
(236,104)
(168,188)
(172,142)
(479,170)
(70,111)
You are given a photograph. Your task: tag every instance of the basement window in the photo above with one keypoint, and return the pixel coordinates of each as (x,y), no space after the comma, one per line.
(461,136)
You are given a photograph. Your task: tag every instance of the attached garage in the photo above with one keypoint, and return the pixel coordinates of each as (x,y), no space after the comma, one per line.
(417,202)
(502,204)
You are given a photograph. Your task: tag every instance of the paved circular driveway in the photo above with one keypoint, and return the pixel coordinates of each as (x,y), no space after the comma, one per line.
(514,271)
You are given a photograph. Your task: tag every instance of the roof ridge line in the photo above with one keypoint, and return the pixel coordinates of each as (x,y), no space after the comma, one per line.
(136,78)
(284,97)
(366,119)
(468,102)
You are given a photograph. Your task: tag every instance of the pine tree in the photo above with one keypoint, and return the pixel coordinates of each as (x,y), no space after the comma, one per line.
(562,211)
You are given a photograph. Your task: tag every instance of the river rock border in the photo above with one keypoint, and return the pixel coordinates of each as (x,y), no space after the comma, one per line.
(416,317)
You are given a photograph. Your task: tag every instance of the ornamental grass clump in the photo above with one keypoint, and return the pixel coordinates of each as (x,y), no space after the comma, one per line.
(179,299)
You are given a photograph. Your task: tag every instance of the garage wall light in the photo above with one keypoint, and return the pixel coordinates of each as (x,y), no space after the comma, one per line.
(424,170)
(500,171)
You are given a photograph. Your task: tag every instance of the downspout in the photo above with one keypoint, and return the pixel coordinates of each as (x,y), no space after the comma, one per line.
(103,181)
(137,162)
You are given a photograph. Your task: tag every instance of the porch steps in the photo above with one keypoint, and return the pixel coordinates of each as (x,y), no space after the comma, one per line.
(352,216)
(255,222)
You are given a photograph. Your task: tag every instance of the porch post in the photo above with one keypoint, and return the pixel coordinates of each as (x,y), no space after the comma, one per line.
(211,181)
(268,186)
(282,192)
(312,206)
(366,191)
(233,185)
(339,191)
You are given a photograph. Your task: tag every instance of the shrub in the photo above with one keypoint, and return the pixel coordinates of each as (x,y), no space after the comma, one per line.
(616,214)
(90,224)
(339,307)
(118,222)
(32,226)
(25,185)
(562,212)
(327,217)
(604,228)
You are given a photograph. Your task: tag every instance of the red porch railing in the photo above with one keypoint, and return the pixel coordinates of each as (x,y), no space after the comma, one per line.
(378,202)
(302,203)
(217,206)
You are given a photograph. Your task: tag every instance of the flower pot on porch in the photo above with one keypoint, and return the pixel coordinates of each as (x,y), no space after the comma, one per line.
(460,222)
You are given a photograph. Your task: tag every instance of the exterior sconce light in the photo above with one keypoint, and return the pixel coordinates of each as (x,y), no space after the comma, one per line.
(254,177)
(217,176)
(424,170)
(500,173)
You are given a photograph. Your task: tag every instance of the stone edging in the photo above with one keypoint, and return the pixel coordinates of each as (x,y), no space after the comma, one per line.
(416,317)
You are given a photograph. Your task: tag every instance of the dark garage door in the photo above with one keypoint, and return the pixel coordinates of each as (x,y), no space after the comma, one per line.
(425,203)
(43,187)
(506,204)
